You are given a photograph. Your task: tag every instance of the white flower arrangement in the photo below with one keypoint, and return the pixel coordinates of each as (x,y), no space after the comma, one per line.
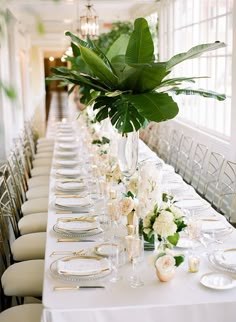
(128,204)
(164,221)
(150,189)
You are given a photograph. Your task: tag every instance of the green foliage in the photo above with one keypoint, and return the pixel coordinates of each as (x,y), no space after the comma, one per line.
(119,28)
(131,88)
(173,239)
(179,260)
(103,141)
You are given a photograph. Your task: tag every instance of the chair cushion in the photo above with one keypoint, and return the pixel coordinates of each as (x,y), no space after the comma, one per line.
(33,223)
(37,192)
(38,181)
(45,149)
(34,206)
(43,155)
(24,279)
(45,141)
(23,313)
(41,171)
(42,162)
(30,246)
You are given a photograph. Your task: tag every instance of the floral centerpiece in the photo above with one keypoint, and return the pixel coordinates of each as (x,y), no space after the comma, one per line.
(166,264)
(128,206)
(163,224)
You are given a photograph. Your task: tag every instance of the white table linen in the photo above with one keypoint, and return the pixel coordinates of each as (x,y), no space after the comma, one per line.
(183,299)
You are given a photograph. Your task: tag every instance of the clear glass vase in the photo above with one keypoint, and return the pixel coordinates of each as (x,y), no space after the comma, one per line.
(128,153)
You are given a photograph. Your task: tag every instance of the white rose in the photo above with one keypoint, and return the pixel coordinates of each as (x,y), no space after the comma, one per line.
(165,205)
(165,263)
(126,205)
(164,224)
(133,185)
(116,173)
(147,220)
(176,212)
(147,230)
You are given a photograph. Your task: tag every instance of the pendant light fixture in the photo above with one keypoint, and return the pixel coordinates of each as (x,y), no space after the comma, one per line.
(89,22)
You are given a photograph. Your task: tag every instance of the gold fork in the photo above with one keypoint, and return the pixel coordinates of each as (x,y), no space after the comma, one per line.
(81,251)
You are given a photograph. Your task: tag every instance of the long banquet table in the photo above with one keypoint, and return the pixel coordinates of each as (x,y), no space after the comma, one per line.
(183,299)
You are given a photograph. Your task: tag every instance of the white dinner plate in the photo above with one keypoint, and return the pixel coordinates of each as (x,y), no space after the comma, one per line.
(65,154)
(81,267)
(69,186)
(213,225)
(218,281)
(193,204)
(77,224)
(66,139)
(73,202)
(226,257)
(67,146)
(185,243)
(68,173)
(66,163)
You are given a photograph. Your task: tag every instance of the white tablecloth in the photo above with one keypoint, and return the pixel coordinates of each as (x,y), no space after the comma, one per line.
(183,299)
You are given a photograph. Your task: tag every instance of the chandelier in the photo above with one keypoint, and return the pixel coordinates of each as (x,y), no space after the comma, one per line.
(89,22)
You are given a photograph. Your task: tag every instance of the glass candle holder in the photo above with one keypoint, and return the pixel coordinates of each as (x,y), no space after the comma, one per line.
(193,263)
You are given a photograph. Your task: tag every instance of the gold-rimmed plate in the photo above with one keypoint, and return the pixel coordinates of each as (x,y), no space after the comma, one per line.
(106,249)
(81,267)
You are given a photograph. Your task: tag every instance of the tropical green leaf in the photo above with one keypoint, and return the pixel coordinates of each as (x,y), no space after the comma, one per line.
(173,239)
(61,70)
(98,67)
(201,92)
(76,39)
(140,47)
(143,77)
(156,107)
(93,81)
(71,89)
(179,260)
(75,49)
(119,47)
(179,80)
(194,52)
(125,117)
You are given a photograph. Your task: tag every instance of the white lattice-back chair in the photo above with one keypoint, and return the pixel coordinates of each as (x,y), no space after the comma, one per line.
(195,171)
(224,198)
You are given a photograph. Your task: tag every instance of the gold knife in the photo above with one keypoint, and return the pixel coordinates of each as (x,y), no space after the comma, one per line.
(67,288)
(74,240)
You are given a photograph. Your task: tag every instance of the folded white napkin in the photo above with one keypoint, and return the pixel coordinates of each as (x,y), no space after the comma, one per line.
(79,266)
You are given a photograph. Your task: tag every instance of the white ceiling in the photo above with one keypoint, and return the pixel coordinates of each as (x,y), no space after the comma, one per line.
(61,15)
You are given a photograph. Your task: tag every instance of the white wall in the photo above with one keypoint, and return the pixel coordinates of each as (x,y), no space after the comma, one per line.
(22,68)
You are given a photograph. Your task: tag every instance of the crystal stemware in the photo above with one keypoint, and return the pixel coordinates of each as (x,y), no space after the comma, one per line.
(134,245)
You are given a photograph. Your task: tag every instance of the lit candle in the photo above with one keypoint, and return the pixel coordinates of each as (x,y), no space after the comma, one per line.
(193,264)
(112,194)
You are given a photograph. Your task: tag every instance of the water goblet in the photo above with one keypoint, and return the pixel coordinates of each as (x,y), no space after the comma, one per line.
(134,244)
(115,262)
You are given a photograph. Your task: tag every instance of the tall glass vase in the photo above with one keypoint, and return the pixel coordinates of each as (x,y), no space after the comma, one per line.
(128,153)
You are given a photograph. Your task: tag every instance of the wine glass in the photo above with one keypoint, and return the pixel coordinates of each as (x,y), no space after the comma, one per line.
(115,262)
(134,244)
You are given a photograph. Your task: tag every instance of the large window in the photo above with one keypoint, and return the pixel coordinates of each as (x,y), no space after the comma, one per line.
(186,23)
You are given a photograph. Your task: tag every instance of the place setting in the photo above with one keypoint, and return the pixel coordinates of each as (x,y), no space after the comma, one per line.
(79,226)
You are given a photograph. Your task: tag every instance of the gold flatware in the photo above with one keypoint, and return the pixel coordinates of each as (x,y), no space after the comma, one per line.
(69,196)
(71,180)
(65,240)
(67,252)
(70,219)
(62,212)
(98,258)
(67,288)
